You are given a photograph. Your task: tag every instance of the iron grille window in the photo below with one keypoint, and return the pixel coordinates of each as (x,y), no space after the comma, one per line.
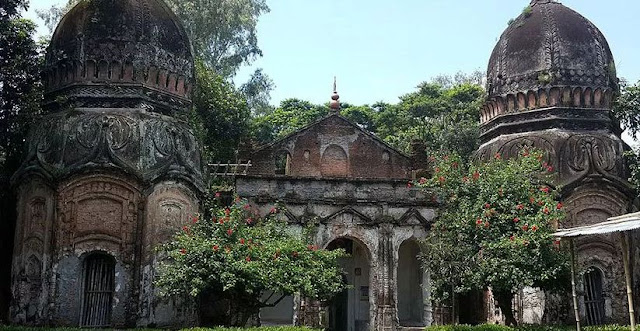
(593,300)
(99,274)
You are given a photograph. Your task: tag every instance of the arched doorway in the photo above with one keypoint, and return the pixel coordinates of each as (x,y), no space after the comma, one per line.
(98,289)
(593,297)
(349,310)
(410,279)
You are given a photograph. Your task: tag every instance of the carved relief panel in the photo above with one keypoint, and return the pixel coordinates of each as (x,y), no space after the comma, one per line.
(169,207)
(98,212)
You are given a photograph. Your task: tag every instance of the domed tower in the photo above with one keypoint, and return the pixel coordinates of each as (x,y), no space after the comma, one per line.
(111,171)
(550,82)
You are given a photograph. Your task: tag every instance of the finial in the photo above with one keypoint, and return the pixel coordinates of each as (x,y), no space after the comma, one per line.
(335,98)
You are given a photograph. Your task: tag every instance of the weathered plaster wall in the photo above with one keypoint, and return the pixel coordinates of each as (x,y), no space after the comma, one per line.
(169,206)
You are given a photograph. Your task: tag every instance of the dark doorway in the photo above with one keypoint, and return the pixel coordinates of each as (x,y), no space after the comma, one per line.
(350,309)
(593,298)
(99,284)
(410,293)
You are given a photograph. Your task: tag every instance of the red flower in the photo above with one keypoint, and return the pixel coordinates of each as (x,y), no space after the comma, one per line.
(486,224)
(194,219)
(185,229)
(230,232)
(532,200)
(227,211)
(437,170)
(526,153)
(222,221)
(247,206)
(215,247)
(217,194)
(516,220)
(294,254)
(249,221)
(183,251)
(520,206)
(545,210)
(497,156)
(478,221)
(454,165)
(534,228)
(441,179)
(248,258)
(273,210)
(486,205)
(465,179)
(310,247)
(214,219)
(525,227)
(540,203)
(512,238)
(560,205)
(549,168)
(476,175)
(544,189)
(241,241)
(423,180)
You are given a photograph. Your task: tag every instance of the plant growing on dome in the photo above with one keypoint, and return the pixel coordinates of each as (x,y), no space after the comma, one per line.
(494,227)
(240,258)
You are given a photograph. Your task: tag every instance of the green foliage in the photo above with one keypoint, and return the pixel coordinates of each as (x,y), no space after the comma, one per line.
(527,11)
(444,114)
(220,115)
(494,227)
(20,88)
(291,115)
(626,108)
(238,256)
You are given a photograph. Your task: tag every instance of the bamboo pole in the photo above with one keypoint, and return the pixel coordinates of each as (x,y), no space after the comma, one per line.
(573,284)
(627,276)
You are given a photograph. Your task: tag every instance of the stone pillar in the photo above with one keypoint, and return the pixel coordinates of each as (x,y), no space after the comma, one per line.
(386,312)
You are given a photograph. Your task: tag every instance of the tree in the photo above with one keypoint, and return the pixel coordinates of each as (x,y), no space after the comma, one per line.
(494,227)
(238,256)
(626,108)
(220,115)
(20,87)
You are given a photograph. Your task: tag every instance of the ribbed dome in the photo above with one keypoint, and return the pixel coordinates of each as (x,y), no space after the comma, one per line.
(138,44)
(550,44)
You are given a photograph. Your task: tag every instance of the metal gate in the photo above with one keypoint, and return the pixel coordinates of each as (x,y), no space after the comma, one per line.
(99,274)
(593,299)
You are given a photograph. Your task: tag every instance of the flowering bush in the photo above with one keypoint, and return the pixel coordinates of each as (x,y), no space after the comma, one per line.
(237,256)
(494,227)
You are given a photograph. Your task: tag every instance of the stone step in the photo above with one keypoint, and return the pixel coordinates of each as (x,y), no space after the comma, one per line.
(411,328)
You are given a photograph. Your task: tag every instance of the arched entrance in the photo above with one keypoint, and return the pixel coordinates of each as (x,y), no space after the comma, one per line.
(350,309)
(593,298)
(410,279)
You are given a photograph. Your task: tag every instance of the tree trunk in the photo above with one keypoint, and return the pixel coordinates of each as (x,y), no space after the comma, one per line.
(505,300)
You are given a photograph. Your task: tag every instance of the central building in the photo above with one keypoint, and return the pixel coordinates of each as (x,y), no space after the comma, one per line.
(352,187)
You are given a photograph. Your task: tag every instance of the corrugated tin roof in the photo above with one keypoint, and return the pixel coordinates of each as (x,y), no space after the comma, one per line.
(614,224)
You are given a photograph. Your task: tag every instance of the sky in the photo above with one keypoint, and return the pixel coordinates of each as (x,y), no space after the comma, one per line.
(380,50)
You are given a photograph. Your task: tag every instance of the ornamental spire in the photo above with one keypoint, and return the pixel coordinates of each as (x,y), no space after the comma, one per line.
(335,98)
